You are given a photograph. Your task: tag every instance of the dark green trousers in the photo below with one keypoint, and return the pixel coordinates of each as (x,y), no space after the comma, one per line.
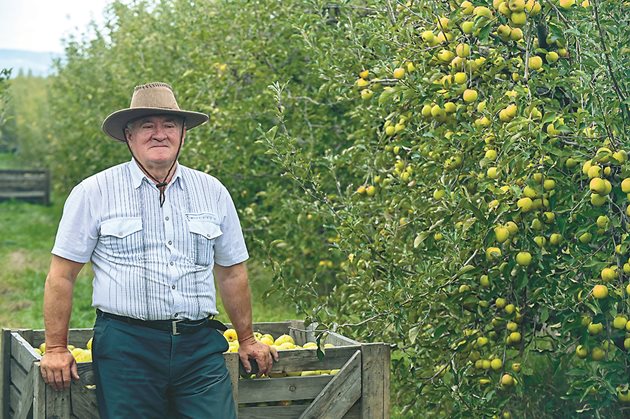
(147,373)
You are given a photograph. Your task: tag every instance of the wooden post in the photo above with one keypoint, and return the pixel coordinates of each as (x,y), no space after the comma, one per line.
(57,402)
(47,186)
(375,380)
(39,395)
(232,363)
(296,330)
(26,398)
(5,372)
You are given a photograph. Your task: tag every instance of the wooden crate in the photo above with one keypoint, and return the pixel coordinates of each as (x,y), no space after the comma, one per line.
(359,390)
(26,185)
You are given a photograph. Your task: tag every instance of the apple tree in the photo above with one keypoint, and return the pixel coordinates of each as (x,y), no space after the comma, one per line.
(480,201)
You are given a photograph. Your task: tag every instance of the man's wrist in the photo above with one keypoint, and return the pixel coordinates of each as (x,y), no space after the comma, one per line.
(248,339)
(56,348)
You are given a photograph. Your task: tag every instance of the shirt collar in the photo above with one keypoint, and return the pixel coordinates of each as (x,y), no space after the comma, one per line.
(137,175)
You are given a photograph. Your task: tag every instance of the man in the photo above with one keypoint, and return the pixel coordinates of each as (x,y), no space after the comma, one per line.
(154,231)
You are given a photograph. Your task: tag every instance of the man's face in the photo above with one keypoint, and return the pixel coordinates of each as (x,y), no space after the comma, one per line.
(154,140)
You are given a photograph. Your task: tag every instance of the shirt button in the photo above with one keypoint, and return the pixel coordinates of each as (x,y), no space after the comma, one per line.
(172,263)
(170,242)
(173,287)
(166,218)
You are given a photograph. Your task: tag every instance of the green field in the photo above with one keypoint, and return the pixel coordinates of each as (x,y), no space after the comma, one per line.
(8,161)
(28,233)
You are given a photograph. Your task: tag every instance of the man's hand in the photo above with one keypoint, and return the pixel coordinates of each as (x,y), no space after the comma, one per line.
(264,355)
(58,368)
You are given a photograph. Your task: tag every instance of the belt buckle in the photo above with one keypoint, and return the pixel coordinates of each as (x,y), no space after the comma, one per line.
(174,331)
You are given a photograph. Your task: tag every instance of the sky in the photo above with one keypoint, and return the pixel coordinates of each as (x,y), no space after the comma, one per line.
(40,25)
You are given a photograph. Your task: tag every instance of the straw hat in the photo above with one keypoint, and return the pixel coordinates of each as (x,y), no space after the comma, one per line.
(149,99)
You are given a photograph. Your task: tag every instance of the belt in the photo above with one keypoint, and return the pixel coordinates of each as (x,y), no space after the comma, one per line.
(175,327)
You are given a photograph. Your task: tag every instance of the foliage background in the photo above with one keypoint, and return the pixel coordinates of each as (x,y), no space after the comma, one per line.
(293,141)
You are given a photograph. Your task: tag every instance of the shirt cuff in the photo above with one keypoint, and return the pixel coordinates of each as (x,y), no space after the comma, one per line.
(57,251)
(242,257)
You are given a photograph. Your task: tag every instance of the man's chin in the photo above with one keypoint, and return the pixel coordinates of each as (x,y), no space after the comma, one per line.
(160,156)
(158,162)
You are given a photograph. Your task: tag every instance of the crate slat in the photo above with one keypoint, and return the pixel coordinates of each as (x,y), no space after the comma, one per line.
(340,340)
(27,334)
(311,333)
(5,372)
(39,396)
(306,359)
(25,403)
(261,390)
(18,375)
(354,412)
(279,412)
(14,396)
(80,337)
(22,194)
(340,394)
(277,328)
(38,338)
(23,183)
(22,351)
(58,402)
(300,334)
(83,393)
(232,363)
(303,334)
(86,373)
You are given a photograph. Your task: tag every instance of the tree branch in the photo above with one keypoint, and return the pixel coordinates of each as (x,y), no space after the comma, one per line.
(607,56)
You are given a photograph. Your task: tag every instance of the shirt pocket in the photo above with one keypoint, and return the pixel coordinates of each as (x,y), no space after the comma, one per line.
(122,237)
(204,233)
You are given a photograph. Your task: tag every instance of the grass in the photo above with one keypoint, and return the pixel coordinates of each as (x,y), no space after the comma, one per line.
(28,233)
(8,161)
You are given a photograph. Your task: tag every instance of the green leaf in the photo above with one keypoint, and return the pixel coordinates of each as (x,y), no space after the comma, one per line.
(465,269)
(549,117)
(421,237)
(474,209)
(484,32)
(413,334)
(544,314)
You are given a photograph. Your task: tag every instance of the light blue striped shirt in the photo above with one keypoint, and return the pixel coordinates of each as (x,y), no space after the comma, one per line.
(151,262)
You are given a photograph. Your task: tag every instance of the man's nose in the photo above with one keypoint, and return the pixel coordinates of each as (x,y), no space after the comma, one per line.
(159,134)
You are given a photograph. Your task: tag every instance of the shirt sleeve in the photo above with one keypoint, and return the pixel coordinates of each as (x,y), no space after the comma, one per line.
(229,248)
(78,229)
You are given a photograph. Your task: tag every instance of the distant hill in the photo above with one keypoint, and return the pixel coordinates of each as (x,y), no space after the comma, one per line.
(38,63)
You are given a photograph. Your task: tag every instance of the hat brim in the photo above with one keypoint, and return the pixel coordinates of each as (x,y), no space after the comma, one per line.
(114,125)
